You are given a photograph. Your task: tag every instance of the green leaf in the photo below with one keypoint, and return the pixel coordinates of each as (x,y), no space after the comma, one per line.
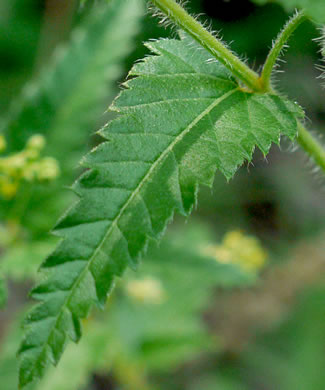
(314,8)
(67,98)
(182,118)
(66,102)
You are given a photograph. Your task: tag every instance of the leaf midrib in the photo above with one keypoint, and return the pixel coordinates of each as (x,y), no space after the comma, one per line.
(159,159)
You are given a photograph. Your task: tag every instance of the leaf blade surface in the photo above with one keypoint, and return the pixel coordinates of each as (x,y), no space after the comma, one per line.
(181,118)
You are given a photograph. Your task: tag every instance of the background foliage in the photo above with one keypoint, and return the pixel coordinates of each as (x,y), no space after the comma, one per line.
(194,332)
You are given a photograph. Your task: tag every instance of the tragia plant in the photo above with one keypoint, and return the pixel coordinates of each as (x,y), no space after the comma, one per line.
(190,108)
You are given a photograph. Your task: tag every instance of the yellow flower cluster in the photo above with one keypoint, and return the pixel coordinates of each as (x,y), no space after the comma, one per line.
(147,290)
(238,248)
(26,165)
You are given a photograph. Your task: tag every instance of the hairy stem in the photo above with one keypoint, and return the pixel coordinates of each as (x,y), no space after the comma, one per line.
(278,45)
(311,146)
(185,21)
(180,17)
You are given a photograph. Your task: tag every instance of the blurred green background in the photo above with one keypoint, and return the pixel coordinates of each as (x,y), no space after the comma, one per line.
(237,330)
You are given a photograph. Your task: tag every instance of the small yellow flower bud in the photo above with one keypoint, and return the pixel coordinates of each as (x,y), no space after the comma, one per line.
(36,141)
(8,189)
(48,169)
(26,165)
(148,290)
(15,163)
(233,238)
(31,154)
(30,171)
(3,143)
(237,248)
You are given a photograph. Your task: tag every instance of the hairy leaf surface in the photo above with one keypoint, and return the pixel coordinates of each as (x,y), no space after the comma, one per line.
(181,118)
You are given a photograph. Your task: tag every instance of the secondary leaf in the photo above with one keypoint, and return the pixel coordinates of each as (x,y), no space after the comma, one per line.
(314,8)
(181,118)
(66,102)
(67,98)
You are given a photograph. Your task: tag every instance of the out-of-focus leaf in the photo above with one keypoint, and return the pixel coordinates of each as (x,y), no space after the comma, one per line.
(65,104)
(292,356)
(314,8)
(65,101)
(173,331)
(148,330)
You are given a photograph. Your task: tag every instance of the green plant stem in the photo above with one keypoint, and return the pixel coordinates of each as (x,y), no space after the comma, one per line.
(185,21)
(181,18)
(311,146)
(278,45)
